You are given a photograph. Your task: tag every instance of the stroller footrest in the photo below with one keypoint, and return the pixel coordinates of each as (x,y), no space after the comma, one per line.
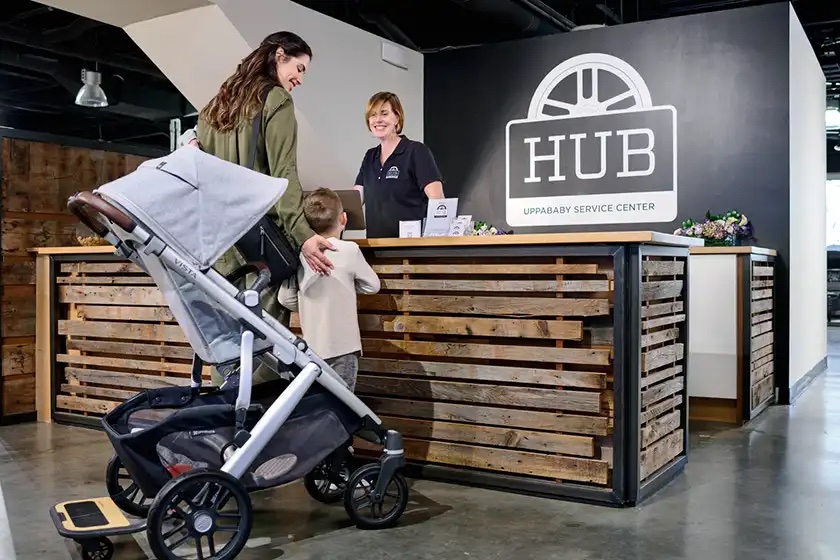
(92,517)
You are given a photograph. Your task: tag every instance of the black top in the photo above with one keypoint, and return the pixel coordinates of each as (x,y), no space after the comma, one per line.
(394,191)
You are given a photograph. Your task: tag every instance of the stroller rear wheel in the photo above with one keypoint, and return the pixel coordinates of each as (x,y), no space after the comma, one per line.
(369,510)
(99,548)
(326,483)
(202,512)
(124,491)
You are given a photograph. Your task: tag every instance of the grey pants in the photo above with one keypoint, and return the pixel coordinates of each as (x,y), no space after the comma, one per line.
(347,367)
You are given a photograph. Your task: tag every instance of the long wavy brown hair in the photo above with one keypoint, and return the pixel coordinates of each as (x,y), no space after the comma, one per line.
(239,98)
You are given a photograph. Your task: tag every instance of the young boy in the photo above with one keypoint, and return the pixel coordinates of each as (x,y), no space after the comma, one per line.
(327,304)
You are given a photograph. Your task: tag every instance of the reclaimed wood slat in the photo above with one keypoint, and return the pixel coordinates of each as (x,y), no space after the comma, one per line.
(662,390)
(762,284)
(17,306)
(762,340)
(124,379)
(662,356)
(92,391)
(82,404)
(19,395)
(661,290)
(111,295)
(504,460)
(761,328)
(658,309)
(661,453)
(761,294)
(490,415)
(659,337)
(481,305)
(657,409)
(115,330)
(125,313)
(663,268)
(488,351)
(515,397)
(761,372)
(529,440)
(655,430)
(474,269)
(103,269)
(470,326)
(18,359)
(759,270)
(761,318)
(663,321)
(660,375)
(18,272)
(762,305)
(761,352)
(496,285)
(123,363)
(131,349)
(104,280)
(506,374)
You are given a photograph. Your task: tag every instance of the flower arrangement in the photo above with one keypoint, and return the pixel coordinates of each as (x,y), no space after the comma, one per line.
(483,228)
(724,230)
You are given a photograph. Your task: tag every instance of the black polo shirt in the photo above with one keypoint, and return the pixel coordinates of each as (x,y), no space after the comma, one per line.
(394,191)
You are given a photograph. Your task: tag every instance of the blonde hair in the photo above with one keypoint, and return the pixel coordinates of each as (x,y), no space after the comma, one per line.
(379,99)
(322,208)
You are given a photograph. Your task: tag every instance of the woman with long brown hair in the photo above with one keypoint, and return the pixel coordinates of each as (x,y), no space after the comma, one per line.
(264,80)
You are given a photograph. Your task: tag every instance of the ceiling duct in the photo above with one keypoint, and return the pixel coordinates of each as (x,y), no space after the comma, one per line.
(515,13)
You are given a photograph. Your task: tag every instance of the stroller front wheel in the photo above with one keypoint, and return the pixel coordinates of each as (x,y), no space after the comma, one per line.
(365,508)
(204,513)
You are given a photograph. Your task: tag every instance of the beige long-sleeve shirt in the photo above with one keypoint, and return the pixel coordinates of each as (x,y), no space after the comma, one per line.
(327,304)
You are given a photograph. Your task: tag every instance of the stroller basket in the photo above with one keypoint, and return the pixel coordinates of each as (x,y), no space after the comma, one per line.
(161,433)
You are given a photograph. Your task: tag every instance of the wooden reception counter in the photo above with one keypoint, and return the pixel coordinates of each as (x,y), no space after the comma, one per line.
(549,364)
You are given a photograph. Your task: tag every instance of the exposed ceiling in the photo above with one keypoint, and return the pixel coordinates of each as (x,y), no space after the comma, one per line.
(43,50)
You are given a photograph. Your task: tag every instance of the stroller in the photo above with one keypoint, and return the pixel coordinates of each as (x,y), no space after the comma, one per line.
(195,451)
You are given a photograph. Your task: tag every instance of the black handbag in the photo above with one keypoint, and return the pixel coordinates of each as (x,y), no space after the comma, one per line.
(267,242)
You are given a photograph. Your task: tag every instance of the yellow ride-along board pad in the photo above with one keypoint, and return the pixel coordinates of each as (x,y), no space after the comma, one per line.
(93,517)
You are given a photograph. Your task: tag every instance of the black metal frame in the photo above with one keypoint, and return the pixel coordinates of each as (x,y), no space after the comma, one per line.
(745,265)
(128,149)
(637,490)
(627,489)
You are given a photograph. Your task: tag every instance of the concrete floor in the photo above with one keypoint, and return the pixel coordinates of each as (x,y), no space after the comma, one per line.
(767,491)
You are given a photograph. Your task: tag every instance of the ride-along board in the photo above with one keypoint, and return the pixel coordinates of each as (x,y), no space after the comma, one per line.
(90,522)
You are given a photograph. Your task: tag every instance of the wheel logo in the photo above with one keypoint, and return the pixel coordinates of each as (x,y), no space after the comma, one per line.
(585,70)
(593,149)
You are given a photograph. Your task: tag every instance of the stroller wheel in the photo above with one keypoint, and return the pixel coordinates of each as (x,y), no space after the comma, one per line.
(204,513)
(369,511)
(124,491)
(324,485)
(97,549)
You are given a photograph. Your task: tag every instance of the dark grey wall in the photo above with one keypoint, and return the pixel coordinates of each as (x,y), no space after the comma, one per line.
(726,73)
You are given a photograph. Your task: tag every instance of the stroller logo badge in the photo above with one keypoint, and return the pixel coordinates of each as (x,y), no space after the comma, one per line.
(393,173)
(594,149)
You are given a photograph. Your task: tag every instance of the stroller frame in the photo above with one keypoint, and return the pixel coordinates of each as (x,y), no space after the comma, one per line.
(135,242)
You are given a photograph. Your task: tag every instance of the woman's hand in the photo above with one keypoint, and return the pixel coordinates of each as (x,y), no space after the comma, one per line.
(313,251)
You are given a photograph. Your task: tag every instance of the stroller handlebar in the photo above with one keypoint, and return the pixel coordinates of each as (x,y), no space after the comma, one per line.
(81,204)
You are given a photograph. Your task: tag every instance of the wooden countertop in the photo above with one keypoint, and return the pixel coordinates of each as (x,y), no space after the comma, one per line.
(95,250)
(745,250)
(591,237)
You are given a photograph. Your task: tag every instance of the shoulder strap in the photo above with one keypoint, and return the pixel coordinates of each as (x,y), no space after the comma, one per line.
(255,132)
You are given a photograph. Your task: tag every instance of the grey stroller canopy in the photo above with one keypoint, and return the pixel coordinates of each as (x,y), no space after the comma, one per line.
(196,203)
(200,206)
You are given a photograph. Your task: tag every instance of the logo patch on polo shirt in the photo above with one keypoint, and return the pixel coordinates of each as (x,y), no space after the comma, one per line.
(393,173)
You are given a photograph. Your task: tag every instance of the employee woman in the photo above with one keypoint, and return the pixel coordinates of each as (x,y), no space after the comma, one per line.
(399,176)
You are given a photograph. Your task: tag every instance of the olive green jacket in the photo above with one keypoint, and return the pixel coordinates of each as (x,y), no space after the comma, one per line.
(276,156)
